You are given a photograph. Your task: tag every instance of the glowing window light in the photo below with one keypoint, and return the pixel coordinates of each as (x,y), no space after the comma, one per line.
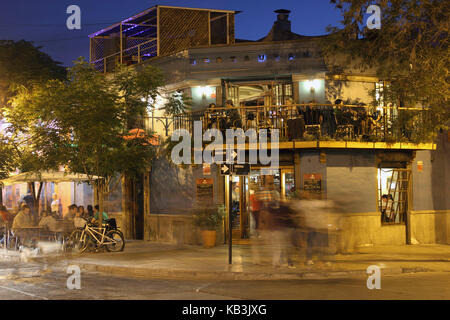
(206,91)
(313,85)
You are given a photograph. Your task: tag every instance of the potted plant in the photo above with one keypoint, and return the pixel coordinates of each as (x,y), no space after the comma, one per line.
(208,219)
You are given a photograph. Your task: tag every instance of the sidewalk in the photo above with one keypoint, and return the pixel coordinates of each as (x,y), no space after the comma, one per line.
(157,260)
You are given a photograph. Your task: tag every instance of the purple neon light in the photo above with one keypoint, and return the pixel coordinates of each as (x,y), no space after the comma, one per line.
(126,20)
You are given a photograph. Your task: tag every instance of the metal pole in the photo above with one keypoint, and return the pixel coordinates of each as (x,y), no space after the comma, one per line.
(230,222)
(121,43)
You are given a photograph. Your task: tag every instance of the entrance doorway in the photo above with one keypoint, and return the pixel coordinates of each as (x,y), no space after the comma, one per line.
(244,189)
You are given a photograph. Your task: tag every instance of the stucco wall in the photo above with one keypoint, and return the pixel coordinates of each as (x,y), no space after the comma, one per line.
(351,179)
(422,182)
(173,188)
(175,229)
(430,227)
(366,229)
(430,218)
(310,163)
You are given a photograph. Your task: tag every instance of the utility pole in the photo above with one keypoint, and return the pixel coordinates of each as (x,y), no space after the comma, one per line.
(230,219)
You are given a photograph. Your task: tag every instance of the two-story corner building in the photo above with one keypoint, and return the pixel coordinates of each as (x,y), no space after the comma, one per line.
(333,144)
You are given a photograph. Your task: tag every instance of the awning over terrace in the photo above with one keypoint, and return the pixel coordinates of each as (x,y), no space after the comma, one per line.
(46,176)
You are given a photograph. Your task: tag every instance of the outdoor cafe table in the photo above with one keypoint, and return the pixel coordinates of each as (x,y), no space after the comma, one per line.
(32,229)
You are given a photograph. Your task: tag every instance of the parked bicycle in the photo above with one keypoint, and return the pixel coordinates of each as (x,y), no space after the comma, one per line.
(92,236)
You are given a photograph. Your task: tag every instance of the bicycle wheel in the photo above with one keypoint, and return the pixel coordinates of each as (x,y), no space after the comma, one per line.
(77,242)
(116,242)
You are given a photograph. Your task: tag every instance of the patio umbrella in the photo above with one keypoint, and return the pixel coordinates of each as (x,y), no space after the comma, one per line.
(46,176)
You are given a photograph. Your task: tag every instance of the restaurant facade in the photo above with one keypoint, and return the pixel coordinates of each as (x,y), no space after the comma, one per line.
(334,142)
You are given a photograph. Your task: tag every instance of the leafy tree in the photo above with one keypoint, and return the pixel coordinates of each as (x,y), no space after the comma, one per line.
(178,103)
(21,65)
(84,122)
(410,51)
(6,159)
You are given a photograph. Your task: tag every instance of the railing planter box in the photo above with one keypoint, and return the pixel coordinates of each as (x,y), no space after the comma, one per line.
(408,145)
(332,144)
(305,144)
(286,145)
(360,145)
(425,146)
(384,145)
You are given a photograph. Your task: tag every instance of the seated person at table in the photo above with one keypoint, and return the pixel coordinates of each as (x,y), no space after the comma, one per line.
(97,214)
(22,221)
(81,210)
(48,222)
(79,222)
(89,213)
(67,223)
(72,212)
(6,217)
(234,119)
(23,218)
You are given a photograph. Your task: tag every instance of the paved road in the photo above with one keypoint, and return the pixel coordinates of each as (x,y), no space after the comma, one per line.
(29,281)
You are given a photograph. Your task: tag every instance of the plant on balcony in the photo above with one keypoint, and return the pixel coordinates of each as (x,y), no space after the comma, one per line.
(325,138)
(308,137)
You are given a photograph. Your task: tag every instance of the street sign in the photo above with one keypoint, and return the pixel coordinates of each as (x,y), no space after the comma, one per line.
(241,169)
(233,156)
(225,169)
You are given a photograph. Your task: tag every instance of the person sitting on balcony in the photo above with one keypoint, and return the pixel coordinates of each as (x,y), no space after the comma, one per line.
(339,110)
(234,119)
(374,122)
(215,117)
(361,118)
(328,126)
(364,120)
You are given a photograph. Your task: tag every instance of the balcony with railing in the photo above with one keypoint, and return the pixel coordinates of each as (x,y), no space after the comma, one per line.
(159,31)
(322,125)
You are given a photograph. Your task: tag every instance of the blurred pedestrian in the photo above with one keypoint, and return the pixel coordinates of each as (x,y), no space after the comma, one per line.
(319,222)
(255,208)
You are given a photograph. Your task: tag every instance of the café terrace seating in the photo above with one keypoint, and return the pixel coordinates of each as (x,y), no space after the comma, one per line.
(312,121)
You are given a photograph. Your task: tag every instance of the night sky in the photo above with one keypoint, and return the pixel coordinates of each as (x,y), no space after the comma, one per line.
(44,21)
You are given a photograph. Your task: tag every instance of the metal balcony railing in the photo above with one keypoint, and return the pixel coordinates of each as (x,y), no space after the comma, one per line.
(319,122)
(308,122)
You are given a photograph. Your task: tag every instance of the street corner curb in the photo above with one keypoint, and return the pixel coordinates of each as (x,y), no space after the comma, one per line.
(232,275)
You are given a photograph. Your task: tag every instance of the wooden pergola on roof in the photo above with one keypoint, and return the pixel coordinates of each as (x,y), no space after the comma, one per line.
(158,31)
